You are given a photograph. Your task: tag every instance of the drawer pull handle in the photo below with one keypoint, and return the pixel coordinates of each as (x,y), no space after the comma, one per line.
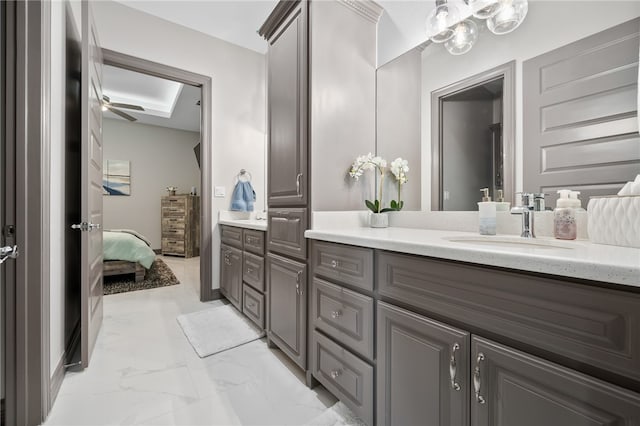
(476,380)
(335,374)
(453,367)
(336,314)
(334,263)
(249,271)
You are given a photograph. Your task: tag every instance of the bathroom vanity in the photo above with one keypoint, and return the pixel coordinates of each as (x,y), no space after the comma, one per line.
(405,333)
(242,252)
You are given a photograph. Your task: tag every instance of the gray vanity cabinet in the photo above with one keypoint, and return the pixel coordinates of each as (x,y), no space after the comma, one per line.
(287,153)
(422,370)
(287,313)
(515,388)
(231,274)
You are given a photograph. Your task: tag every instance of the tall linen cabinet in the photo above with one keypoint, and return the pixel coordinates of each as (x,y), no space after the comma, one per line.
(321,113)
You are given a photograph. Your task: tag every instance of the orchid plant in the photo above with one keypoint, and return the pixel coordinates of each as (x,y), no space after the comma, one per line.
(399,169)
(369,162)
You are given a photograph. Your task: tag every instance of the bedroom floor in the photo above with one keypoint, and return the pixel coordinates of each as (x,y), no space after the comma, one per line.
(144,371)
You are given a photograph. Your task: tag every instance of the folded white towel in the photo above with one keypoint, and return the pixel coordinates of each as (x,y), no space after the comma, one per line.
(631,188)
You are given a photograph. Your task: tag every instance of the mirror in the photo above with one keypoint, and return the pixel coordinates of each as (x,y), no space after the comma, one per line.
(407,118)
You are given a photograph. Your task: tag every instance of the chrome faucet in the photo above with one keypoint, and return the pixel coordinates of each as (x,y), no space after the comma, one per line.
(531,202)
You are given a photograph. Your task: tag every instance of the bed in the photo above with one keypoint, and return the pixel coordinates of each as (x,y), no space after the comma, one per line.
(126,252)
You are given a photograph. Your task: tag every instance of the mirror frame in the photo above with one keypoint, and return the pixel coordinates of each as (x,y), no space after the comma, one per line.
(506,71)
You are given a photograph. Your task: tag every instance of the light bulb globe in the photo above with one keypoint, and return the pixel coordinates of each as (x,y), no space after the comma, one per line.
(509,17)
(440,22)
(464,38)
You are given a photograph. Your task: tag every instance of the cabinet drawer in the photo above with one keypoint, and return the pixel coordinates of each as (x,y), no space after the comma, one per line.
(173,233)
(171,246)
(343,314)
(345,375)
(254,241)
(592,325)
(253,305)
(173,212)
(344,264)
(285,234)
(173,223)
(253,271)
(174,202)
(231,235)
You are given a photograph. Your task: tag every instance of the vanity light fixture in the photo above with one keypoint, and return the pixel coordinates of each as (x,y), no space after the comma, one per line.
(465,36)
(445,23)
(441,20)
(509,17)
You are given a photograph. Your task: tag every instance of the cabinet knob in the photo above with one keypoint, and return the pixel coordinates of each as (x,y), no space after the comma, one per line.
(335,374)
(336,314)
(477,379)
(334,263)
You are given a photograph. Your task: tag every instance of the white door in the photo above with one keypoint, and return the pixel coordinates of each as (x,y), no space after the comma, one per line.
(91,101)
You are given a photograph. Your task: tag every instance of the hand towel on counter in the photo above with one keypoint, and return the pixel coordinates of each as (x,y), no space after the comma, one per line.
(243,197)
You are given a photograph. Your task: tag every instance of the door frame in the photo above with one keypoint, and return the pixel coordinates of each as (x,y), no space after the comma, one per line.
(27,139)
(155,69)
(508,73)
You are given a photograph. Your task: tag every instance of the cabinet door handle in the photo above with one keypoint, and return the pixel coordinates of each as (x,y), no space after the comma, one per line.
(476,379)
(298,289)
(249,271)
(335,373)
(336,314)
(334,263)
(453,367)
(298,177)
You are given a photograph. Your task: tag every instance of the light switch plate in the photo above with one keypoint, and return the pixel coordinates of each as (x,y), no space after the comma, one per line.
(219,191)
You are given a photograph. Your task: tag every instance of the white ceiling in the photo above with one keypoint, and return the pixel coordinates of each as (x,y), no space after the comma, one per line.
(166,103)
(236,21)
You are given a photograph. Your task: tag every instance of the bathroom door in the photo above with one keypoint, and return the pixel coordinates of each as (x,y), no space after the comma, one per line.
(91,204)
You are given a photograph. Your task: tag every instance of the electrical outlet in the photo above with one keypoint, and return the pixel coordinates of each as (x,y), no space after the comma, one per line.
(219,191)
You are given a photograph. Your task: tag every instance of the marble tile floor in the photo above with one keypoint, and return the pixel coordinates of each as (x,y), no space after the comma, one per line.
(144,371)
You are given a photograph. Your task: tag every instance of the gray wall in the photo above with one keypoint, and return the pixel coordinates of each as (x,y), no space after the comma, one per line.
(466,152)
(159,157)
(343,90)
(398,122)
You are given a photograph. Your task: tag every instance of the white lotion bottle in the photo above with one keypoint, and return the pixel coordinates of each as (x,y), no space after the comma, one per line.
(487,214)
(564,215)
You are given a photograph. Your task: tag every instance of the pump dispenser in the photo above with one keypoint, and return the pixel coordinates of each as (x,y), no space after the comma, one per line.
(501,205)
(487,214)
(564,215)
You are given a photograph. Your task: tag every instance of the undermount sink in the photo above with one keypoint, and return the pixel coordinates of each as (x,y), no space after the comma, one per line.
(511,242)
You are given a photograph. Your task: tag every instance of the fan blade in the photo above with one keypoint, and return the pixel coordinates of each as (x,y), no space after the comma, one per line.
(121,114)
(127,106)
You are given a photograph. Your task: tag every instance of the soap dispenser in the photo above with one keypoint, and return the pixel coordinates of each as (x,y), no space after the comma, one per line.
(487,214)
(564,215)
(501,205)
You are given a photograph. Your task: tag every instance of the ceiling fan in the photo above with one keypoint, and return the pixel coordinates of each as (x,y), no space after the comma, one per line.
(113,107)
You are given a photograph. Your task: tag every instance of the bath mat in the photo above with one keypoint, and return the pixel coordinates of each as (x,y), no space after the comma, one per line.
(336,415)
(159,275)
(218,329)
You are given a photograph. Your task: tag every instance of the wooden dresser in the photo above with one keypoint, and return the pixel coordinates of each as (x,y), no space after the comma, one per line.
(181,225)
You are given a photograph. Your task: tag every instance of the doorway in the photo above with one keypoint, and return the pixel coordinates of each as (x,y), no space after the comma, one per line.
(472,140)
(154,69)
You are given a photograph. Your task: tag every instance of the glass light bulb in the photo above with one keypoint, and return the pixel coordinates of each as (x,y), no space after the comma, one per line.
(465,36)
(509,17)
(440,22)
(483,9)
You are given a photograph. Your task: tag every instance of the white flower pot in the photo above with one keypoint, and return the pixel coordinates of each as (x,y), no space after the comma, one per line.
(379,220)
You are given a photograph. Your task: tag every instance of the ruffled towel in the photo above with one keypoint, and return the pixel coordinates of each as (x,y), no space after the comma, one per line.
(243,197)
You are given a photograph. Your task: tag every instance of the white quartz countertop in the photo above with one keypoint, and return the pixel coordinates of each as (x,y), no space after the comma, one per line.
(576,259)
(255,224)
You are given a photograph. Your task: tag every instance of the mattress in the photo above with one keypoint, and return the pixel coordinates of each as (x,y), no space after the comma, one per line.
(126,246)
